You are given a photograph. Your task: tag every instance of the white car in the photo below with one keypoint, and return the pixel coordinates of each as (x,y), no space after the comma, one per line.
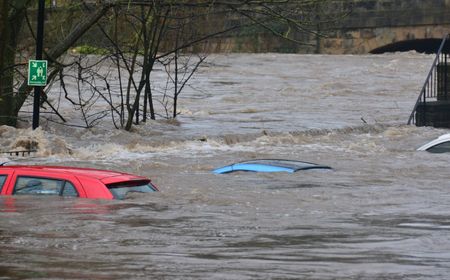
(438,145)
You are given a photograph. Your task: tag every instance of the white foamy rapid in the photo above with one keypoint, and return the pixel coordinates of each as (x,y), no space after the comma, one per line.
(243,97)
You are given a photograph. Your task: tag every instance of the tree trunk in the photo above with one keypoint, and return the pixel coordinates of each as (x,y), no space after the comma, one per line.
(3,40)
(10,25)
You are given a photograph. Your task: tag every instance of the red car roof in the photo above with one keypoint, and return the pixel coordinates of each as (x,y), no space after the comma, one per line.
(104,175)
(88,182)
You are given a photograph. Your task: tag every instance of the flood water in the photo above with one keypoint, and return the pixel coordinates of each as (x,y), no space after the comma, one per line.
(382,213)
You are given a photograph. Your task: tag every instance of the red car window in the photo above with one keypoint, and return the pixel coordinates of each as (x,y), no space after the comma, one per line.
(43,186)
(69,190)
(120,189)
(2,181)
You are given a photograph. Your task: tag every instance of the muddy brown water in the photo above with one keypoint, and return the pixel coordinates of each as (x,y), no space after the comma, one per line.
(382,213)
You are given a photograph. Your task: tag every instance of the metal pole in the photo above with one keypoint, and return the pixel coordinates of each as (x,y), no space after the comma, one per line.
(39,48)
(445,77)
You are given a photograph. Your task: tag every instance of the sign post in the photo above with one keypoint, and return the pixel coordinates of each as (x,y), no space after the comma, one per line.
(39,67)
(37,73)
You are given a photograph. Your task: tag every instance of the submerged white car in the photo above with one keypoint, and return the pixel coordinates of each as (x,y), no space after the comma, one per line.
(438,145)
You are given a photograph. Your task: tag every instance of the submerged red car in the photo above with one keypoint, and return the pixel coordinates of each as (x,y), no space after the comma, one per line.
(71,182)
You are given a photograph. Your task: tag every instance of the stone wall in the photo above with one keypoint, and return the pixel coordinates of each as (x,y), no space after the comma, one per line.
(370,24)
(373,24)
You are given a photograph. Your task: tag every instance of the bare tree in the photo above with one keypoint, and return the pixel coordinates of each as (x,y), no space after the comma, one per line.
(165,31)
(142,35)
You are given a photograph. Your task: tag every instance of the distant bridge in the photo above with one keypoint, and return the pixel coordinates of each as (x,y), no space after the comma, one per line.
(376,26)
(373,26)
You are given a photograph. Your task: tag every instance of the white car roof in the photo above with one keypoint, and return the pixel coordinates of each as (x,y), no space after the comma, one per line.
(439,140)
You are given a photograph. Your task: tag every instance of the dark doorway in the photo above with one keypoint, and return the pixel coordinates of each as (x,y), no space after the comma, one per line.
(429,46)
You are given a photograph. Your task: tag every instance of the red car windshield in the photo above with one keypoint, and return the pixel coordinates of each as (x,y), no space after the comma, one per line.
(121,189)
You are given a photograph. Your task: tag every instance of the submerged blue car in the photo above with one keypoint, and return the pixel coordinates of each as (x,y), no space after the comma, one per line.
(270,165)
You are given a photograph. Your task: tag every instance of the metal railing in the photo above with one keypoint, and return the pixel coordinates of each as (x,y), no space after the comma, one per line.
(435,86)
(19,152)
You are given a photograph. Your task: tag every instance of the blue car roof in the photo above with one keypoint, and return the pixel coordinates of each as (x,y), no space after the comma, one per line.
(270,165)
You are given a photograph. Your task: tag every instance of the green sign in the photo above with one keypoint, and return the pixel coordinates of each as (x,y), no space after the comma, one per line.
(37,72)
